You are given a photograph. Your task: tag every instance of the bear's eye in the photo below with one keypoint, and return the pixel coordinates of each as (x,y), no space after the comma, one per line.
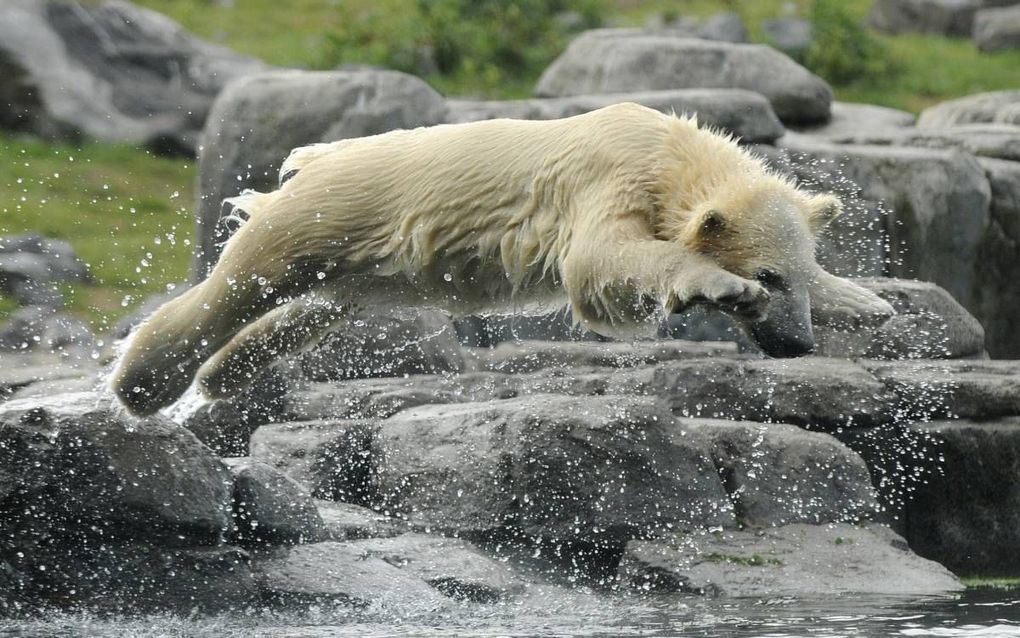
(770,279)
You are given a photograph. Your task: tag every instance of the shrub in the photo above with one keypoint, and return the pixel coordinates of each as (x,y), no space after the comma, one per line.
(842,50)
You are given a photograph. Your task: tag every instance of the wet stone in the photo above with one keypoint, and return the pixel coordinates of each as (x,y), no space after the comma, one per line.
(345,521)
(778,474)
(792,560)
(75,464)
(271,508)
(547,466)
(453,566)
(332,573)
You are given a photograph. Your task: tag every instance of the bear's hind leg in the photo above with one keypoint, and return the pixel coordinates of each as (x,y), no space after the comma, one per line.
(285,330)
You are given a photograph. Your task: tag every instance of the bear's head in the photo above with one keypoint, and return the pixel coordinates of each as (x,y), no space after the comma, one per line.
(767,232)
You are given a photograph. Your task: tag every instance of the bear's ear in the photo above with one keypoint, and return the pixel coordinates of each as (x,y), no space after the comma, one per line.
(705,228)
(822,209)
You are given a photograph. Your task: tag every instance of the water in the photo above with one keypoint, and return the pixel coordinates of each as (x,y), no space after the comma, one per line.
(557,612)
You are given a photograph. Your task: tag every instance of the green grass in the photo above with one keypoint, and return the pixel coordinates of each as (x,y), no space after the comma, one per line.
(120,207)
(112,203)
(754,560)
(981,582)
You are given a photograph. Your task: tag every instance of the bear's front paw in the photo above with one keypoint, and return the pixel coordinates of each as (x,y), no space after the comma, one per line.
(730,293)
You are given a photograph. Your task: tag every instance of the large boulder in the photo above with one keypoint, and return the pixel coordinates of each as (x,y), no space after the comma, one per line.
(997,29)
(850,118)
(628,60)
(26,370)
(44,328)
(256,122)
(944,17)
(453,566)
(331,573)
(778,474)
(271,508)
(75,463)
(996,140)
(965,513)
(928,324)
(547,466)
(113,72)
(793,560)
(998,297)
(937,205)
(981,108)
(30,265)
(745,114)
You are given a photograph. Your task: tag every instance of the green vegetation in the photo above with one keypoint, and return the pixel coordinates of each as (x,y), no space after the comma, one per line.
(982,582)
(113,203)
(754,560)
(124,211)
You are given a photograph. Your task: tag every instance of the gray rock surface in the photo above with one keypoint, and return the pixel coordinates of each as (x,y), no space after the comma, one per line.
(548,466)
(346,522)
(530,356)
(453,566)
(850,118)
(793,560)
(270,508)
(30,265)
(926,390)
(256,122)
(332,573)
(113,72)
(46,329)
(745,114)
(994,140)
(980,108)
(75,463)
(398,342)
(626,60)
(778,474)
(789,35)
(937,202)
(21,371)
(998,302)
(725,26)
(928,324)
(996,29)
(945,17)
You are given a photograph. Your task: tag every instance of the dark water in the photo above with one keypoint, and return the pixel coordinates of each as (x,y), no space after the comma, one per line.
(554,612)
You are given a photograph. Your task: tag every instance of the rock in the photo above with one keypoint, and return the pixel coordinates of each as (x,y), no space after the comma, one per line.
(929,324)
(943,17)
(626,60)
(789,35)
(997,29)
(926,390)
(998,269)
(271,508)
(453,566)
(43,328)
(308,452)
(987,140)
(965,513)
(256,122)
(852,119)
(370,398)
(725,26)
(399,342)
(546,466)
(345,522)
(793,560)
(778,474)
(489,330)
(937,202)
(24,370)
(142,578)
(530,356)
(980,108)
(113,72)
(76,464)
(812,391)
(745,114)
(148,306)
(338,574)
(226,425)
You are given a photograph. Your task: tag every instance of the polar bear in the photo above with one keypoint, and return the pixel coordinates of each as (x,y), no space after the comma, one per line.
(624,213)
